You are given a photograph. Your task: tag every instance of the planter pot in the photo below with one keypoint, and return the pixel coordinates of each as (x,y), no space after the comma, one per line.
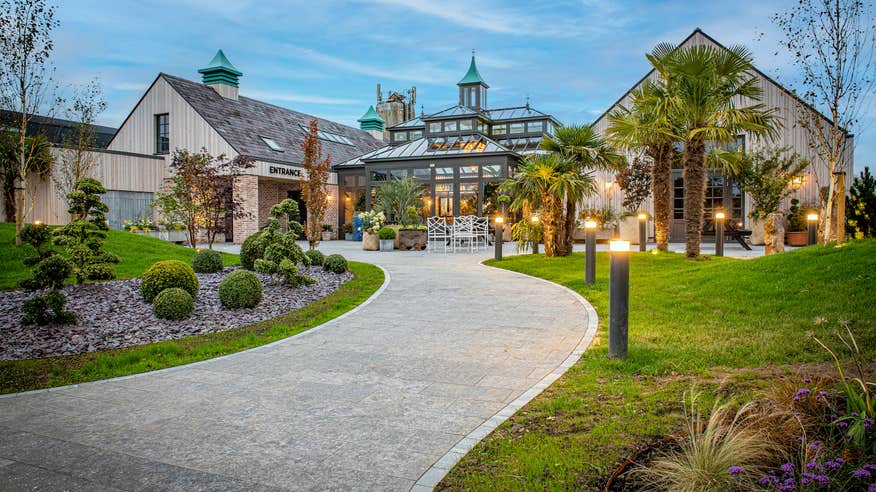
(348,236)
(370,242)
(412,239)
(797,238)
(629,229)
(387,244)
(326,235)
(757,232)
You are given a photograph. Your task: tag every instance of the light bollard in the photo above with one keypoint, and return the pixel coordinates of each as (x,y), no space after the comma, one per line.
(643,232)
(619,299)
(497,242)
(589,252)
(812,229)
(535,220)
(719,234)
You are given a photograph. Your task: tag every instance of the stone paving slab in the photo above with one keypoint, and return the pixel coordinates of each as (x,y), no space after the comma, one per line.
(369,402)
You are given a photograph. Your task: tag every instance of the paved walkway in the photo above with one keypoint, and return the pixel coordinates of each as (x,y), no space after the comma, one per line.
(369,402)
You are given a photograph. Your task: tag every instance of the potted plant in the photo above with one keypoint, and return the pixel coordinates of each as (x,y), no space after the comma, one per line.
(387,238)
(796,234)
(348,231)
(767,177)
(411,234)
(371,223)
(326,232)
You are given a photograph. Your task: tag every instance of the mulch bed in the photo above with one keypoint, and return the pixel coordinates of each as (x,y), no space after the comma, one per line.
(112,315)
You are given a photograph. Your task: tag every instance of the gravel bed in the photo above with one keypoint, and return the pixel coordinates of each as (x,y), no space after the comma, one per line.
(112,315)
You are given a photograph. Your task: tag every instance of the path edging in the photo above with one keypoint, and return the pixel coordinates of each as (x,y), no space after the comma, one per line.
(441,468)
(386,280)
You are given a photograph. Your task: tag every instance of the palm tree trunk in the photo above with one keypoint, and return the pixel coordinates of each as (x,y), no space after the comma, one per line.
(568,228)
(661,181)
(550,224)
(694,197)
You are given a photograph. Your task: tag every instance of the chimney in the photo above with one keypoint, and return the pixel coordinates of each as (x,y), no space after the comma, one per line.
(372,123)
(221,76)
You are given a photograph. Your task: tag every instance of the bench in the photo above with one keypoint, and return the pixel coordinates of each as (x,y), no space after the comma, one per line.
(731,232)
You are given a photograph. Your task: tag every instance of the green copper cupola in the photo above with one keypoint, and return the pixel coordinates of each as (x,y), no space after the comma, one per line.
(221,75)
(371,120)
(472,88)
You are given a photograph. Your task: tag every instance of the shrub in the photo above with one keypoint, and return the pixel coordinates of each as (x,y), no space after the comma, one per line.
(290,275)
(42,310)
(316,257)
(49,273)
(335,263)
(166,274)
(173,303)
(386,233)
(240,289)
(296,228)
(326,228)
(40,237)
(251,250)
(207,261)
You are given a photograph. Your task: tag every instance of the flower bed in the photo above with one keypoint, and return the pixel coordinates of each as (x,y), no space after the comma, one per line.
(113,315)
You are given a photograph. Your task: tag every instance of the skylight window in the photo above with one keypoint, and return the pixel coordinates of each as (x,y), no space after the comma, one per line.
(331,137)
(272,144)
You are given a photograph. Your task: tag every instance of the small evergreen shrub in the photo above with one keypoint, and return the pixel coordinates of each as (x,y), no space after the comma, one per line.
(165,275)
(316,257)
(296,228)
(173,303)
(207,261)
(46,309)
(40,237)
(240,289)
(49,273)
(251,250)
(335,263)
(386,233)
(290,275)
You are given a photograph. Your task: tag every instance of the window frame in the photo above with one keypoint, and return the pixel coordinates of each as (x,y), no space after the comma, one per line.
(158,133)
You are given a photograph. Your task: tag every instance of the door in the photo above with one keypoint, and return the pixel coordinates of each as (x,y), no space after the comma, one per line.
(302,207)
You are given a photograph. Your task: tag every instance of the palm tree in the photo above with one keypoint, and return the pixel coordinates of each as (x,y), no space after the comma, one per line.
(584,152)
(396,197)
(645,127)
(548,182)
(713,99)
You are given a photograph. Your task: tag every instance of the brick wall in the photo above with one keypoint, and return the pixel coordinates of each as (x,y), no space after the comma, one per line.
(246,190)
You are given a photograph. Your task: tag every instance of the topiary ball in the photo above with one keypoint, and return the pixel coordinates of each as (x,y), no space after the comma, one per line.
(335,263)
(207,261)
(316,257)
(240,289)
(173,303)
(251,250)
(165,275)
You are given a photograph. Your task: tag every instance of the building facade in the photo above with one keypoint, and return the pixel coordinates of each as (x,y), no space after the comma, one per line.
(722,192)
(459,154)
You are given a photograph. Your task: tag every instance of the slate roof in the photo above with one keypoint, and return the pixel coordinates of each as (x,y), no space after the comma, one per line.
(242,123)
(58,131)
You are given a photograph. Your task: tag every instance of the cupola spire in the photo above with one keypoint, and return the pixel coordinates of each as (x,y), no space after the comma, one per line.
(472,88)
(221,75)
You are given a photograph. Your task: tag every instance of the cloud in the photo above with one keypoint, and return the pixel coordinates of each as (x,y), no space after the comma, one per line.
(290,97)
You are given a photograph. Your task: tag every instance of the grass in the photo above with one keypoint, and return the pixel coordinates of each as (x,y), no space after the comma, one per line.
(32,374)
(723,324)
(137,252)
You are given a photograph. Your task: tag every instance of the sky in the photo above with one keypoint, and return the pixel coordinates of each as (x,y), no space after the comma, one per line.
(572,59)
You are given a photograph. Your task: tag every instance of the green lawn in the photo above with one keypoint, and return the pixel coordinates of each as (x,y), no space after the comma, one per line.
(57,371)
(137,252)
(725,325)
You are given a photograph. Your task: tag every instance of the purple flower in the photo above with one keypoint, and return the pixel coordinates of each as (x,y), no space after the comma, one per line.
(807,380)
(767,481)
(813,447)
(823,393)
(872,487)
(842,425)
(735,470)
(788,467)
(861,473)
(803,391)
(869,466)
(868,423)
(833,465)
(821,479)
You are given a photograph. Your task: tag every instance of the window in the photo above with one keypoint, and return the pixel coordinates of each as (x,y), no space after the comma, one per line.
(444,200)
(398,173)
(468,172)
(415,134)
(535,127)
(400,136)
(434,127)
(162,133)
(516,128)
(331,137)
(424,173)
(468,199)
(465,125)
(492,171)
(378,175)
(443,173)
(482,127)
(272,144)
(449,126)
(498,129)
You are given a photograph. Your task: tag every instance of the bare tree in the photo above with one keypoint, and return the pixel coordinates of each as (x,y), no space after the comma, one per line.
(26,84)
(76,159)
(832,42)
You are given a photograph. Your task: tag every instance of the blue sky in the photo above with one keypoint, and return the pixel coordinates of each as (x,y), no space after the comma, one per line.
(572,58)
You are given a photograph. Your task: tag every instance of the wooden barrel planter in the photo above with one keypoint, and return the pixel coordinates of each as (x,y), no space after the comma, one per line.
(412,239)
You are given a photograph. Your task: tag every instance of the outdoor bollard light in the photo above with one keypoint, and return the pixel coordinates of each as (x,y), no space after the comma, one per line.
(619,299)
(719,234)
(589,252)
(643,232)
(498,241)
(535,220)
(812,228)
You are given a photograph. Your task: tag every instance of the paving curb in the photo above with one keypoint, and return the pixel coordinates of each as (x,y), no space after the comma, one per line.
(441,468)
(386,280)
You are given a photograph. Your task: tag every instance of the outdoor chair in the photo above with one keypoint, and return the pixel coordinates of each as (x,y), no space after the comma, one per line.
(463,231)
(482,232)
(437,232)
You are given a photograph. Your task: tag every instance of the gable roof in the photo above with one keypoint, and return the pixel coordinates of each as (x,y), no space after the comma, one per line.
(243,122)
(719,45)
